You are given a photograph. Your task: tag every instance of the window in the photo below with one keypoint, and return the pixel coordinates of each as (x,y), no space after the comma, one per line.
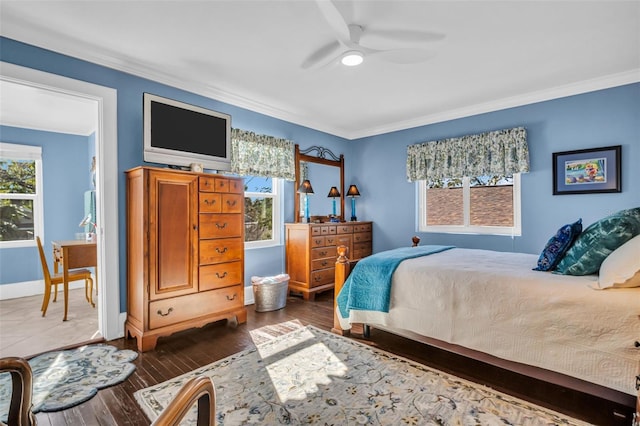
(262,218)
(21,217)
(480,205)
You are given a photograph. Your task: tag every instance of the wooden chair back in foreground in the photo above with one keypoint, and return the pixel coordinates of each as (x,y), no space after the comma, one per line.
(199,388)
(55,279)
(22,387)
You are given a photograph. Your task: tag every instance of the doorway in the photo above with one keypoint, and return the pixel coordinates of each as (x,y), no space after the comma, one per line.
(110,320)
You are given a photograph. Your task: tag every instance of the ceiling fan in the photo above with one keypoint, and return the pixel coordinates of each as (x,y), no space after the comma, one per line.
(350,52)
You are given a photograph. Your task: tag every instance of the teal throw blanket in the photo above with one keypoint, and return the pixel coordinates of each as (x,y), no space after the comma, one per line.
(368,287)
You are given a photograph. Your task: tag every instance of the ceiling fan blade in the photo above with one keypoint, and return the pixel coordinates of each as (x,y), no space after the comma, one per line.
(322,56)
(335,19)
(381,37)
(404,56)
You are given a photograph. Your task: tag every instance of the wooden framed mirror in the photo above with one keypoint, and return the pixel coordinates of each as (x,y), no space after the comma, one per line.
(328,170)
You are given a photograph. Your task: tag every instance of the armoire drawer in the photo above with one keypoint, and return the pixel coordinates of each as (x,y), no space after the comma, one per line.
(172,311)
(232,203)
(220,225)
(318,241)
(324,276)
(220,275)
(221,250)
(209,202)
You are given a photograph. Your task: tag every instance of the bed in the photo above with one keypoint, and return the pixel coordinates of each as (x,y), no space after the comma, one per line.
(492,306)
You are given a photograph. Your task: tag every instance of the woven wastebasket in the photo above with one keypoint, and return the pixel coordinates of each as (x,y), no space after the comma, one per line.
(270,293)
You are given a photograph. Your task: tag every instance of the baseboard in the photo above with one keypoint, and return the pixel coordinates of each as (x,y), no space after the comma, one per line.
(248,296)
(30,288)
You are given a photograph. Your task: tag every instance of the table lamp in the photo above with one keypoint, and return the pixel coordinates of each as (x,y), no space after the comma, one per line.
(353,193)
(306,189)
(334,193)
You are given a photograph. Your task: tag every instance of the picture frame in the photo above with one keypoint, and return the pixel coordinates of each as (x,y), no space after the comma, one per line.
(587,171)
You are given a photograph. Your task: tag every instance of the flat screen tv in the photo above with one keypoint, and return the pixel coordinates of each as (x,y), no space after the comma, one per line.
(180,134)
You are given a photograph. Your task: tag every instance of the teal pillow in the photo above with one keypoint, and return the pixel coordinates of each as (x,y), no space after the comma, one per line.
(600,238)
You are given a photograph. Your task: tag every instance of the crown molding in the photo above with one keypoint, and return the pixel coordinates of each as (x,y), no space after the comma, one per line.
(591,85)
(55,42)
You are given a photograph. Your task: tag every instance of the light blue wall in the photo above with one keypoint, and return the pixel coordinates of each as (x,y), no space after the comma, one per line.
(130,147)
(377,164)
(596,119)
(66,177)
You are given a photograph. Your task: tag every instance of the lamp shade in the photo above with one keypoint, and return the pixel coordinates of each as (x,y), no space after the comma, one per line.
(305,187)
(353,191)
(333,192)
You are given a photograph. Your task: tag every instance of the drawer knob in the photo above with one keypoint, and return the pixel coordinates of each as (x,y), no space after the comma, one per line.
(325,263)
(209,202)
(318,241)
(232,297)
(231,203)
(224,225)
(323,253)
(318,278)
(224,250)
(221,276)
(164,315)
(637,344)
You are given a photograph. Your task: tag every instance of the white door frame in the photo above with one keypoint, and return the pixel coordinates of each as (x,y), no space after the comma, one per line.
(109,320)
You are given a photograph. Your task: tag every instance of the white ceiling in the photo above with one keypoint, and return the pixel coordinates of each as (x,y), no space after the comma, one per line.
(494,54)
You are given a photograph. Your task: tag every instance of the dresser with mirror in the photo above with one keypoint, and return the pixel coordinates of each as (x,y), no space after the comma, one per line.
(319,228)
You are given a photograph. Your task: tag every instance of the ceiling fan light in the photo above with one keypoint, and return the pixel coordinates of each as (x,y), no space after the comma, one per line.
(352,58)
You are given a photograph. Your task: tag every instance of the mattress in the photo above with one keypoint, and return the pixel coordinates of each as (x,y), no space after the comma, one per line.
(493,302)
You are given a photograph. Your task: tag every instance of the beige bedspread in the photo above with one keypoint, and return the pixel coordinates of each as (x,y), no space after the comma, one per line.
(494,303)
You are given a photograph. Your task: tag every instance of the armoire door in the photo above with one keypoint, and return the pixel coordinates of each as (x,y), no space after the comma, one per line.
(173,234)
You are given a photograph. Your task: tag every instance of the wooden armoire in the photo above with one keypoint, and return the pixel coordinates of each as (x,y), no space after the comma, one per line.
(185,252)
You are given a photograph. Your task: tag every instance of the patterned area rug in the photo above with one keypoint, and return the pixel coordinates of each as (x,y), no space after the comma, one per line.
(309,376)
(62,379)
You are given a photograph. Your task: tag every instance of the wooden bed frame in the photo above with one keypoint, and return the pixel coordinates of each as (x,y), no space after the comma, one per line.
(569,395)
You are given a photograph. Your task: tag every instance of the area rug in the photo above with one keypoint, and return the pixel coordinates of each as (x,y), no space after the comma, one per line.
(63,379)
(310,376)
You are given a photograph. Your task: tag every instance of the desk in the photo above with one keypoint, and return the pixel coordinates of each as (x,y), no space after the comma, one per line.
(73,254)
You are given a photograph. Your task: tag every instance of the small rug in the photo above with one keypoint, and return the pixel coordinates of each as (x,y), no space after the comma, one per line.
(63,379)
(310,376)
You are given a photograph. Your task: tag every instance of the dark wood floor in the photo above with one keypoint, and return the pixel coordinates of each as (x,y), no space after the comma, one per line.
(191,349)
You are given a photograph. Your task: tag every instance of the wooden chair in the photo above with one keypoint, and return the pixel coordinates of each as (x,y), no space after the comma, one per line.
(199,388)
(55,279)
(20,413)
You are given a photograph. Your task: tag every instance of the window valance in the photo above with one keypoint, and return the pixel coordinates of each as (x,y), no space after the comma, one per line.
(261,155)
(502,152)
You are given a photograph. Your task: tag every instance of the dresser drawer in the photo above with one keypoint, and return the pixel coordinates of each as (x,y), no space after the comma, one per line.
(330,240)
(220,250)
(318,241)
(362,228)
(322,263)
(361,236)
(207,184)
(220,225)
(343,240)
(360,253)
(232,203)
(220,275)
(322,277)
(344,229)
(323,252)
(209,202)
(183,308)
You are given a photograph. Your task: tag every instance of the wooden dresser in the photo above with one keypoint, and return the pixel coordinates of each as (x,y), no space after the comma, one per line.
(311,252)
(185,252)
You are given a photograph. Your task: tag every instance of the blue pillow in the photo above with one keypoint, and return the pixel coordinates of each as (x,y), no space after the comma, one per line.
(599,240)
(558,245)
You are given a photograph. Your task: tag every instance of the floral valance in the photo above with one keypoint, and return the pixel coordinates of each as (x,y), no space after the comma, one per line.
(261,155)
(502,152)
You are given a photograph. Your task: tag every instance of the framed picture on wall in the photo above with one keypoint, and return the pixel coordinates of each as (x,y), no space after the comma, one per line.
(587,171)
